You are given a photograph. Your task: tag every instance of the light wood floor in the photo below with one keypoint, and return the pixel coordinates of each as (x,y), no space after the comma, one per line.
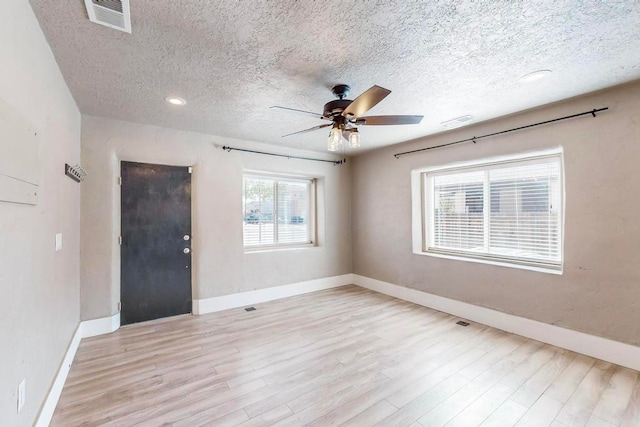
(343,356)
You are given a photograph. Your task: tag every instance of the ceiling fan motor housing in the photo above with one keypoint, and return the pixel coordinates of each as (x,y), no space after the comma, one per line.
(336,107)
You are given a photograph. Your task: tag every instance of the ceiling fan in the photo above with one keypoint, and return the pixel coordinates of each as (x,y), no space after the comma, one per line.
(346,115)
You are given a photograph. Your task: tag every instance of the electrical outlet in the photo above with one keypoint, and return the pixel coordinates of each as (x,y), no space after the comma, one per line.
(22,393)
(59,242)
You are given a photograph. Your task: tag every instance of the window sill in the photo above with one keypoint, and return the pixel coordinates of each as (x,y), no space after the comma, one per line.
(482,260)
(261,249)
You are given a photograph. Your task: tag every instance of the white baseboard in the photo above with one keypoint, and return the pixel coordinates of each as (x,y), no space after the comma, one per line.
(211,305)
(601,348)
(86,329)
(105,325)
(44,418)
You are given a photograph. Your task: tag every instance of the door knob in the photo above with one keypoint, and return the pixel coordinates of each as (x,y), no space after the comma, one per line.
(186,250)
(186,237)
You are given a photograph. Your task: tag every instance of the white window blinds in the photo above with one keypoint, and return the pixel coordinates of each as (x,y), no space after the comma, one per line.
(511,210)
(276,211)
(525,211)
(458,215)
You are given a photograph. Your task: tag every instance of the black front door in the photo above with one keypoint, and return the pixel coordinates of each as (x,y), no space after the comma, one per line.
(155,277)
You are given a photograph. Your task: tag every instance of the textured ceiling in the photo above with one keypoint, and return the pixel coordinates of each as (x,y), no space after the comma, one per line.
(232,60)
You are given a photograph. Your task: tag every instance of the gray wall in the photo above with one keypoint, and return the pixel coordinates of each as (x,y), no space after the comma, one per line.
(599,292)
(40,287)
(220,265)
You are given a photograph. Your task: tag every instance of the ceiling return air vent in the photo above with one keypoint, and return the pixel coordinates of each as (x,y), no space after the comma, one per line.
(457,122)
(110,13)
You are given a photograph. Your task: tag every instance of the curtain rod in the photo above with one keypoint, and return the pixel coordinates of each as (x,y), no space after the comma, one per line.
(335,162)
(474,138)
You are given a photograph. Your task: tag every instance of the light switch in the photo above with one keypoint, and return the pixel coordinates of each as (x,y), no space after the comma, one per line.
(58,241)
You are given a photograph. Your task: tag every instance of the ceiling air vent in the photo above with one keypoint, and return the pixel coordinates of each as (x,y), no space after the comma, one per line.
(457,122)
(110,13)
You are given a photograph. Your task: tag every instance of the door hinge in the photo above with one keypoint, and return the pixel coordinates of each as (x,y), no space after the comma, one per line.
(120,240)
(119,180)
(190,169)
(119,306)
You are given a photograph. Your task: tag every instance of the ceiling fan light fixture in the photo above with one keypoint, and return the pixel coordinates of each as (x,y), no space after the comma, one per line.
(354,138)
(335,139)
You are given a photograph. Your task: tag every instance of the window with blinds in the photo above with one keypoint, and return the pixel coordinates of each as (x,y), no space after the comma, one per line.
(507,211)
(277,211)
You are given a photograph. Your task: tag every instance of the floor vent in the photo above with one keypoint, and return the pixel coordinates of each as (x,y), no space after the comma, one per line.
(110,13)
(462,323)
(250,309)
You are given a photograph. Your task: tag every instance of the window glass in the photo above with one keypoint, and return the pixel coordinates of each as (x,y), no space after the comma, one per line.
(276,211)
(507,210)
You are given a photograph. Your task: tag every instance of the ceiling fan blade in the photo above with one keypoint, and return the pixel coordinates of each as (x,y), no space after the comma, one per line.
(366,101)
(309,130)
(293,110)
(389,120)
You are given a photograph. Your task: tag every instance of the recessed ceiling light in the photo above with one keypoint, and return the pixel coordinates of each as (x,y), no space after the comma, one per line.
(457,122)
(175,100)
(536,75)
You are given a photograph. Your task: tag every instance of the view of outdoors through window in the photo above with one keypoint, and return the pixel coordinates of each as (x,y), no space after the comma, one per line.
(275,211)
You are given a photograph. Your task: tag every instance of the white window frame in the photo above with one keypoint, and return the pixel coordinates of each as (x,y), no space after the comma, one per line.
(422,207)
(311,220)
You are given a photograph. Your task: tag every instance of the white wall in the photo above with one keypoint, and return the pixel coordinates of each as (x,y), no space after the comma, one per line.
(220,266)
(599,291)
(39,287)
